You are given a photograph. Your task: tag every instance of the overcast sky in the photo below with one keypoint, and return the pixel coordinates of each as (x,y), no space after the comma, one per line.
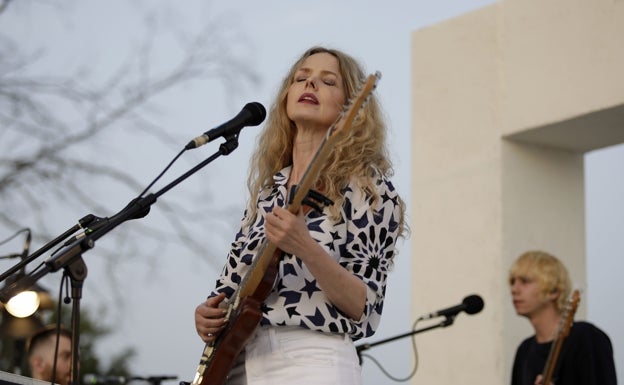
(158,316)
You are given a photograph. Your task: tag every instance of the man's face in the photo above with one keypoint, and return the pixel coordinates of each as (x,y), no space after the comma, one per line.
(63,364)
(526,295)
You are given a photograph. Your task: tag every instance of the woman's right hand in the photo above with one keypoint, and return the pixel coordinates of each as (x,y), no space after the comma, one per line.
(210,318)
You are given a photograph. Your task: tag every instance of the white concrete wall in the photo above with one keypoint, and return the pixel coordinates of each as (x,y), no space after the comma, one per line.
(560,58)
(456,208)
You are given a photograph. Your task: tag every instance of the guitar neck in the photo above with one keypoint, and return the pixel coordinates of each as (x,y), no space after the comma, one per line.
(551,361)
(567,317)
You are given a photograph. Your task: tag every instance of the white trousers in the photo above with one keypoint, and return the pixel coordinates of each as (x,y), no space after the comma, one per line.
(294,355)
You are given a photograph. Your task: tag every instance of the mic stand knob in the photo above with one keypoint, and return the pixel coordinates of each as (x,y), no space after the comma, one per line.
(230,144)
(448,320)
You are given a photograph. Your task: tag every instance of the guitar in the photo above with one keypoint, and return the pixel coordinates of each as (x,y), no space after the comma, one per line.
(243,309)
(567,317)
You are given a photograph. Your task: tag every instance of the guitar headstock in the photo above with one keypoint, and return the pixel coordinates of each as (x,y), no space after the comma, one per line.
(355,104)
(567,315)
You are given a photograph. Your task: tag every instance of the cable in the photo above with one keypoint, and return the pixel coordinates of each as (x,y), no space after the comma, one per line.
(412,373)
(162,173)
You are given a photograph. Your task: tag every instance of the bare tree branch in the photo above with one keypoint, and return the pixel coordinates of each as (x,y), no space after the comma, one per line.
(47,122)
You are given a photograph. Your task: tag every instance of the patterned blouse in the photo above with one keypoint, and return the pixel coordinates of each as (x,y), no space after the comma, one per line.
(362,241)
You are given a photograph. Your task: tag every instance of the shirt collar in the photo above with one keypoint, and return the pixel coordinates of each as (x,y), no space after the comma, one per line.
(281,178)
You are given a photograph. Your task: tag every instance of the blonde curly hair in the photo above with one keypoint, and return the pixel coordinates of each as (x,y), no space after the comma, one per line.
(356,157)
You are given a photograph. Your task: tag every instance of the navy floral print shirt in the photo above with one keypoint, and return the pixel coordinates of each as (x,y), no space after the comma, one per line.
(362,241)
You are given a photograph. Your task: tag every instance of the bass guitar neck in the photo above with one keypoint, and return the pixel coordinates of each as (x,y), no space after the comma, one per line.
(563,331)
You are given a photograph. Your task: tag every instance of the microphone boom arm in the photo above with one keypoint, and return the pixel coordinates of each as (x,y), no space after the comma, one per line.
(446,322)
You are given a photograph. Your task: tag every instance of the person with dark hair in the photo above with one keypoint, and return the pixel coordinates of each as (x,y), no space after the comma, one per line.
(331,278)
(540,288)
(41,348)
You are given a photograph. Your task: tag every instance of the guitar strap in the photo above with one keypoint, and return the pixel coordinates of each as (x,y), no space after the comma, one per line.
(313,199)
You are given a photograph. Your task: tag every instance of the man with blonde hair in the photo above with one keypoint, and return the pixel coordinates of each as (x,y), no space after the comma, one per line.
(540,287)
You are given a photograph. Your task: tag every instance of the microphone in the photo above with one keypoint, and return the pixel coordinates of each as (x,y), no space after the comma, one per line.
(96,379)
(251,115)
(472,304)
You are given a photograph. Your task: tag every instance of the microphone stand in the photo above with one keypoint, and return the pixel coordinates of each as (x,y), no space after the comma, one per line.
(85,221)
(448,320)
(70,257)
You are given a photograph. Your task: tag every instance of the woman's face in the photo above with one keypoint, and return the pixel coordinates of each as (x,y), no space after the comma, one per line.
(316,96)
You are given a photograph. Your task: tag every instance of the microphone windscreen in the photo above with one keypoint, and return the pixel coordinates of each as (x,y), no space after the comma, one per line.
(257,111)
(473,303)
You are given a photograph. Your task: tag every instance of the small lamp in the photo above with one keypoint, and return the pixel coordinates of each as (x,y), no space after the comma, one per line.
(26,303)
(23,304)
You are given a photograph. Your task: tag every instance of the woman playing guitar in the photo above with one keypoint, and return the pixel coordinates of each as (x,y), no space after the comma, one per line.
(321,229)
